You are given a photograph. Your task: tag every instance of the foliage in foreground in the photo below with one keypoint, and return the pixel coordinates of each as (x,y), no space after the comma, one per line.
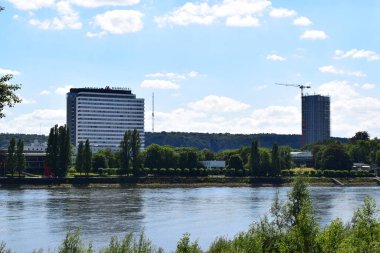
(289,227)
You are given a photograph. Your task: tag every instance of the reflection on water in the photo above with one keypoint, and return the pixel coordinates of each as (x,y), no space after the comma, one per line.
(30,219)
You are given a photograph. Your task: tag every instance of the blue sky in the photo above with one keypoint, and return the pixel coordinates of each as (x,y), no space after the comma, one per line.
(212,64)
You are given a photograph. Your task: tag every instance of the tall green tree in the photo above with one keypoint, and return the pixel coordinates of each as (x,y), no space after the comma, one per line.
(285,158)
(52,152)
(125,151)
(265,164)
(8,96)
(276,165)
(12,157)
(135,151)
(20,157)
(58,150)
(87,157)
(79,157)
(255,159)
(64,150)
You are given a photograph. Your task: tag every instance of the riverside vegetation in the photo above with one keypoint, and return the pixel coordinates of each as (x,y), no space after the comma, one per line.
(290,226)
(331,158)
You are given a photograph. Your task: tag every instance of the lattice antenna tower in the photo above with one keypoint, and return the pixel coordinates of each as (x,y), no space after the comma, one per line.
(153,112)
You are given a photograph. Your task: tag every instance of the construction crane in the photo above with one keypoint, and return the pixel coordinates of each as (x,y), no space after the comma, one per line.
(296,85)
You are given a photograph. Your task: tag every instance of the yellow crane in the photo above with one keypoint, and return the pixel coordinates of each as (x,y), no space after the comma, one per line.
(301,86)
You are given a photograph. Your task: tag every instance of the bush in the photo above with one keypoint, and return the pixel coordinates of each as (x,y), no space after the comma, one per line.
(186,171)
(162,172)
(171,171)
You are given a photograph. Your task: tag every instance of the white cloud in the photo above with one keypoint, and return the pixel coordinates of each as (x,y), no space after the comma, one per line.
(236,12)
(357,54)
(193,74)
(119,21)
(9,72)
(368,86)
(302,21)
(276,119)
(45,93)
(15,17)
(338,89)
(214,103)
(333,70)
(313,35)
(100,3)
(63,90)
(351,111)
(159,84)
(67,19)
(26,101)
(275,57)
(242,21)
(38,121)
(273,119)
(96,35)
(282,13)
(31,4)
(173,76)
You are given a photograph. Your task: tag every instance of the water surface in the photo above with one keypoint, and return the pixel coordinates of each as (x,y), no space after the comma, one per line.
(39,218)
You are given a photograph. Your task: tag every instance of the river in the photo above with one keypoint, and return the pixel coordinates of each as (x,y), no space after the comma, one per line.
(39,218)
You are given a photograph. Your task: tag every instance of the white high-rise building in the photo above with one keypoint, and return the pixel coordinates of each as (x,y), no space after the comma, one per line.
(102,115)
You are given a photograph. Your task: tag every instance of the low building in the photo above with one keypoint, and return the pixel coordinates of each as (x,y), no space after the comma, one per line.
(302,158)
(214,164)
(36,147)
(34,162)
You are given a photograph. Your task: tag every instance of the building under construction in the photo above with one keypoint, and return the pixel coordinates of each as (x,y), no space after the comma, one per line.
(315,119)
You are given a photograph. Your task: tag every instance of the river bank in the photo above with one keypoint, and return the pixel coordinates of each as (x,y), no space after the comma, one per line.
(141,182)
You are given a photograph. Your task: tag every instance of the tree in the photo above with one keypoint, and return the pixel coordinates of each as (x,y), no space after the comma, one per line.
(153,157)
(360,136)
(79,158)
(135,151)
(87,157)
(334,157)
(99,160)
(235,162)
(276,165)
(20,158)
(378,158)
(58,150)
(265,163)
(285,158)
(255,159)
(207,154)
(360,151)
(8,96)
(52,153)
(12,158)
(125,151)
(64,150)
